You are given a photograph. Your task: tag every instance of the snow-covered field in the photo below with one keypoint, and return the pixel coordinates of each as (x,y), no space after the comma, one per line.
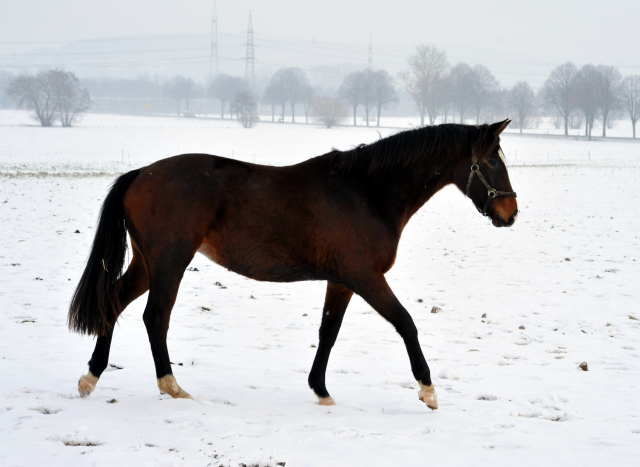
(558,288)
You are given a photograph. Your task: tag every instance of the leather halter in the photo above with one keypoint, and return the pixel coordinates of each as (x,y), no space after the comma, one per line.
(492,193)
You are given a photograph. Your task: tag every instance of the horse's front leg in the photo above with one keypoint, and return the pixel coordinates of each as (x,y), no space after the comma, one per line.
(335,304)
(379,295)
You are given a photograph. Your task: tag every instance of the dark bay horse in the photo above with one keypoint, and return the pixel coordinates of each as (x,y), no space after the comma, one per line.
(337,217)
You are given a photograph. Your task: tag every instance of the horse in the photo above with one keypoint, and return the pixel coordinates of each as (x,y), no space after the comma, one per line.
(337,217)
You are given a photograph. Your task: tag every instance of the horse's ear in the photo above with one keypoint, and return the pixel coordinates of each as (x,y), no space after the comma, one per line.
(496,128)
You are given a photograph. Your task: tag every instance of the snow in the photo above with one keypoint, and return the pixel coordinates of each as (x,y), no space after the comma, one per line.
(558,288)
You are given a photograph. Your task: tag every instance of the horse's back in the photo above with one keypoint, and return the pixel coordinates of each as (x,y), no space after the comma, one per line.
(268,223)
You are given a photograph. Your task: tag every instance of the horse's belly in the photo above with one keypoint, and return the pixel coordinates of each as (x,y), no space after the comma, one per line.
(265,268)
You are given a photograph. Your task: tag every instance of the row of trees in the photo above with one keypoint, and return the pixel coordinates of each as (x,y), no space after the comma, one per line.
(182,89)
(370,90)
(53,95)
(594,92)
(232,92)
(440,92)
(290,87)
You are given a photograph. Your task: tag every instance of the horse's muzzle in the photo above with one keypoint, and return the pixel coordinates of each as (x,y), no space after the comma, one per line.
(498,221)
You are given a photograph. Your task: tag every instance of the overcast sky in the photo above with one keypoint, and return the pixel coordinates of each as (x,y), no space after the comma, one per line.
(515,39)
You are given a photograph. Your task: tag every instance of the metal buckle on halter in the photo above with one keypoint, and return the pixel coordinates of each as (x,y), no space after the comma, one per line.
(492,193)
(475,168)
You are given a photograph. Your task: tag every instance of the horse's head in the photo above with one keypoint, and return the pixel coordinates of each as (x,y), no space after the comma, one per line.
(485,180)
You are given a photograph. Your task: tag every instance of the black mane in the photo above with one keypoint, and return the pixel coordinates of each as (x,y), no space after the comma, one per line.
(430,144)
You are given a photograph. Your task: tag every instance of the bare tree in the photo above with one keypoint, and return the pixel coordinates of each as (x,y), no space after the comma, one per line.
(52,94)
(270,98)
(444,91)
(288,85)
(359,89)
(171,89)
(307,94)
(298,85)
(245,107)
(181,88)
(586,95)
(485,85)
(461,78)
(559,89)
(608,88)
(72,100)
(190,91)
(37,93)
(630,96)
(425,67)
(368,92)
(522,101)
(276,92)
(351,91)
(329,111)
(497,106)
(384,91)
(224,88)
(296,81)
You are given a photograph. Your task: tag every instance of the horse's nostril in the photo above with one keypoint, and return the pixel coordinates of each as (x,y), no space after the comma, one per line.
(515,214)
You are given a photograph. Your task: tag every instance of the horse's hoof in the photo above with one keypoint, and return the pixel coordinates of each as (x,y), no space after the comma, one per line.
(428,395)
(326,401)
(87,384)
(169,385)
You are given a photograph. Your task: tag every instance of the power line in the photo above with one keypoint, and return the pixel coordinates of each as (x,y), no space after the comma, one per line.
(121,63)
(338,51)
(105,39)
(45,54)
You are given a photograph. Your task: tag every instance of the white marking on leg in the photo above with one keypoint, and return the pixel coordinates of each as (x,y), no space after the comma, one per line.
(168,385)
(428,395)
(325,400)
(87,384)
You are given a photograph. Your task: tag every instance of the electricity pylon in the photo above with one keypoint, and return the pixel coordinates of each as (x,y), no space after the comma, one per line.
(213,57)
(370,52)
(250,72)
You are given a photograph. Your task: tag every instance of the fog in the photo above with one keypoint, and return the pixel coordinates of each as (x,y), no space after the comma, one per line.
(123,39)
(532,333)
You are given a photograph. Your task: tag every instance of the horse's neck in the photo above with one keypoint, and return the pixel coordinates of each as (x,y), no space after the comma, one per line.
(410,188)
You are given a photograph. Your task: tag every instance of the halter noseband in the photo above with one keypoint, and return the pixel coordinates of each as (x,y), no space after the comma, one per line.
(492,193)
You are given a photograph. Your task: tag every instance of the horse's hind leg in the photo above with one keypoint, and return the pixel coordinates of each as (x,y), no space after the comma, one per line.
(165,274)
(133,283)
(379,295)
(335,304)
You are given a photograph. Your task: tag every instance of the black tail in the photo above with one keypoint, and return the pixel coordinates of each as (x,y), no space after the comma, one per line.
(96,300)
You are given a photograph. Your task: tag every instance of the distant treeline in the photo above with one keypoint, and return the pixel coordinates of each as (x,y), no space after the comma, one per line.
(574,98)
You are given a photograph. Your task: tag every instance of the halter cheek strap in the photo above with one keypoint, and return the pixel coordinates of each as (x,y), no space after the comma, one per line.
(492,193)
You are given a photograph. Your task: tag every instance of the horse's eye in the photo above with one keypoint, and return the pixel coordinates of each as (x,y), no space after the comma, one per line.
(493,163)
